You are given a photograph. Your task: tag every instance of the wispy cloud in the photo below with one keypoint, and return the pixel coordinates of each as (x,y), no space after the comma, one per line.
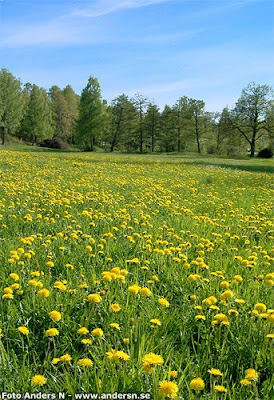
(55,32)
(104,7)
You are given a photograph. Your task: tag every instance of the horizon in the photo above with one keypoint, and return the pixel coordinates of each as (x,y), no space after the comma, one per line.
(164,49)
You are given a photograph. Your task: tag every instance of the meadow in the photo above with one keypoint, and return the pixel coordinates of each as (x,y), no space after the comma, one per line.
(136,274)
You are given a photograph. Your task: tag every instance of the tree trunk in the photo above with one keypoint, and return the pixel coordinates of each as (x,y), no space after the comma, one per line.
(113,143)
(141,140)
(91,143)
(3,135)
(152,133)
(179,140)
(197,135)
(252,147)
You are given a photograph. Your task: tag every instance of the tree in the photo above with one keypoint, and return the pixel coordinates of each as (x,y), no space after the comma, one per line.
(11,103)
(60,112)
(72,108)
(168,130)
(141,104)
(120,112)
(91,114)
(197,119)
(37,121)
(250,113)
(152,125)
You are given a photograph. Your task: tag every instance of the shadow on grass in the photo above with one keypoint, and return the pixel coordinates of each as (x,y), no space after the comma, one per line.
(251,168)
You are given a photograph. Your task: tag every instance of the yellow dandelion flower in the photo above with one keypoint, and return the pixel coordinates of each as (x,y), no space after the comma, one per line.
(197,384)
(115,326)
(168,389)
(155,322)
(134,289)
(220,389)
(55,315)
(82,331)
(145,291)
(215,372)
(245,382)
(86,341)
(66,358)
(163,302)
(38,380)
(43,293)
(228,294)
(51,332)
(115,307)
(251,374)
(14,276)
(24,330)
(261,307)
(97,332)
(85,362)
(93,298)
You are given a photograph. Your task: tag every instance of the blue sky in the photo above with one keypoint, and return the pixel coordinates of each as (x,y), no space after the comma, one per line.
(165,49)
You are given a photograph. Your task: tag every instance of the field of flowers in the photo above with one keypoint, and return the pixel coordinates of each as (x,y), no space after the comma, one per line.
(134,274)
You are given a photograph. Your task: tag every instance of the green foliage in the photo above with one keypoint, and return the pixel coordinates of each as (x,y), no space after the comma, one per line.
(37,121)
(251,113)
(91,114)
(11,102)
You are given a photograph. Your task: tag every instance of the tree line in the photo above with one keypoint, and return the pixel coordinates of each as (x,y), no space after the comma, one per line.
(134,124)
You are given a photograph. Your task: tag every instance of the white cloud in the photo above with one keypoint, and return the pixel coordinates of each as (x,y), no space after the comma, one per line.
(104,7)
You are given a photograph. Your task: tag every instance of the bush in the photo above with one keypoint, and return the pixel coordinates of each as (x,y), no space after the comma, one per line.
(265,153)
(54,143)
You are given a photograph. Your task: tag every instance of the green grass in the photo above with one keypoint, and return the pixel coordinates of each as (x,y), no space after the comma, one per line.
(178,226)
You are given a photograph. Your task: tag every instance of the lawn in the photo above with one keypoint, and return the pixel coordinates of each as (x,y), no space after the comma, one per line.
(136,274)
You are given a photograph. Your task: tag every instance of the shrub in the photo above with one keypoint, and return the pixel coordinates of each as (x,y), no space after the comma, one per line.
(265,153)
(54,143)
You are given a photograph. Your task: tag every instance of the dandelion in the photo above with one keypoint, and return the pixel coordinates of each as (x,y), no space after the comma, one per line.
(55,315)
(173,374)
(86,341)
(115,307)
(51,332)
(145,291)
(85,362)
(66,358)
(97,332)
(228,294)
(220,389)
(93,298)
(14,276)
(82,331)
(163,302)
(24,330)
(261,307)
(8,296)
(115,326)
(215,372)
(200,318)
(245,382)
(197,384)
(38,380)
(134,289)
(168,389)
(50,264)
(43,293)
(155,322)
(150,361)
(251,374)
